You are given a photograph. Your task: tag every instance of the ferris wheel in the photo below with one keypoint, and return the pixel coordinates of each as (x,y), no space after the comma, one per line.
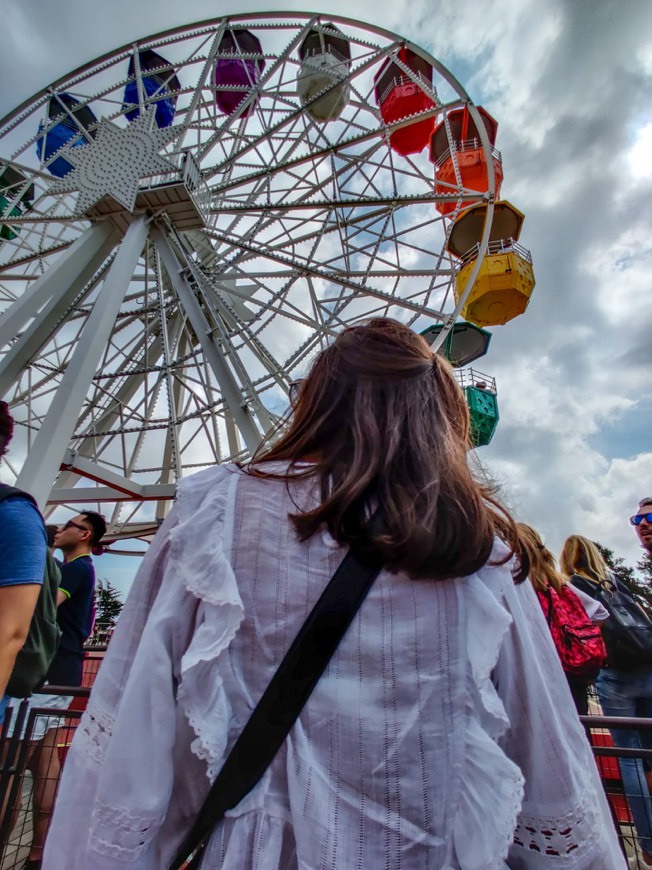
(187,220)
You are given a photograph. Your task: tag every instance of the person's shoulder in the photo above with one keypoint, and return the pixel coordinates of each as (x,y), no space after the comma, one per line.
(20,512)
(197,484)
(20,503)
(199,490)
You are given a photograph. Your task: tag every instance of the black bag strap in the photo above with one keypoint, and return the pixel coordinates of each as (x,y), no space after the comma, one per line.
(283,700)
(591,587)
(548,595)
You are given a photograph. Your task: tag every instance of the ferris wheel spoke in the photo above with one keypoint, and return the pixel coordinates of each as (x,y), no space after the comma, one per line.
(235,323)
(297,218)
(265,79)
(340,279)
(279,128)
(39,472)
(78,259)
(220,337)
(215,357)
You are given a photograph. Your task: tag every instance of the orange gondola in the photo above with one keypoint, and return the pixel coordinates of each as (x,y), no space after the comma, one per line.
(463,148)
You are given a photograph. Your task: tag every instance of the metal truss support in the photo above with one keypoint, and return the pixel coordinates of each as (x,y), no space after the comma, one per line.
(44,459)
(65,271)
(21,353)
(215,357)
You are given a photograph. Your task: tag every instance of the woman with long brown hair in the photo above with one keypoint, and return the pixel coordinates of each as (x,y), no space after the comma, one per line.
(623,691)
(543,571)
(551,587)
(432,740)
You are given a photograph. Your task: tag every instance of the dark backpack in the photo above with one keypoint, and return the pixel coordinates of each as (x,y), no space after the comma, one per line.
(578,641)
(628,631)
(34,659)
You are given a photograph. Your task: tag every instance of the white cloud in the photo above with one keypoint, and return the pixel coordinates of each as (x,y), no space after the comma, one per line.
(568,83)
(639,157)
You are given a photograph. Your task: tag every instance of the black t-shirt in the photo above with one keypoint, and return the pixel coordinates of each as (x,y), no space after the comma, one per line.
(75,617)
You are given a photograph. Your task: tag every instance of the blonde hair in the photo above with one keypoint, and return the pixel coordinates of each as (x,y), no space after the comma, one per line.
(581,556)
(543,565)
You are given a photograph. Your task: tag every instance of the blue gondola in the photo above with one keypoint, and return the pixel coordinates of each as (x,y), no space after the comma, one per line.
(159,82)
(81,126)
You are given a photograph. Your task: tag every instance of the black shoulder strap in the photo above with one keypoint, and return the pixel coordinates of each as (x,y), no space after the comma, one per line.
(283,700)
(591,588)
(548,595)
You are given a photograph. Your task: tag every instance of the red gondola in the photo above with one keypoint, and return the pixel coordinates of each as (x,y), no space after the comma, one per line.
(398,95)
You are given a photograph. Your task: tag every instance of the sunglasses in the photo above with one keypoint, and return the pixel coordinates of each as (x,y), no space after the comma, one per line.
(72,524)
(637,519)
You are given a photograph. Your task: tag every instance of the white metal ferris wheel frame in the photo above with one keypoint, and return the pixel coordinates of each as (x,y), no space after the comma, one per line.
(208,315)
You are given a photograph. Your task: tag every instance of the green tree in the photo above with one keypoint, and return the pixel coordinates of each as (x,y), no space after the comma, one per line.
(109,604)
(644,567)
(641,589)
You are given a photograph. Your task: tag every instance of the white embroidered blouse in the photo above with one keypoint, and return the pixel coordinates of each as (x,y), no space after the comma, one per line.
(441,736)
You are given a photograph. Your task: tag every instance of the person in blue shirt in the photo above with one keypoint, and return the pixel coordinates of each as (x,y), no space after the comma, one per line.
(75,615)
(22,567)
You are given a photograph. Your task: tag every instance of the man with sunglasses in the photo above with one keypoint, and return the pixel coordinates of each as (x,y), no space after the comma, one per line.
(75,615)
(628,692)
(642,522)
(76,598)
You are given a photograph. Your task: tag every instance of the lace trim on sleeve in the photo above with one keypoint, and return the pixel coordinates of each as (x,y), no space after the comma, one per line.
(94,732)
(558,835)
(200,555)
(130,833)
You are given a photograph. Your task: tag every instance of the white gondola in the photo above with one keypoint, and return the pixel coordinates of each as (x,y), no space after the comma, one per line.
(325,63)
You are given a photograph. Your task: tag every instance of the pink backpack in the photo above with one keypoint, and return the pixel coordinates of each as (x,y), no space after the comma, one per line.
(578,641)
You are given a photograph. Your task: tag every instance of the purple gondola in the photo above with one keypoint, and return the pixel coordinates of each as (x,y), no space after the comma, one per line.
(240,64)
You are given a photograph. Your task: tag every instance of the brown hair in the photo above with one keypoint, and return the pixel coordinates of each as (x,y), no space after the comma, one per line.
(97,525)
(543,565)
(6,427)
(385,423)
(581,556)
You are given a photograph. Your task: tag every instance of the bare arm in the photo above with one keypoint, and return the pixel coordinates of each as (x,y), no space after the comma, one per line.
(17,605)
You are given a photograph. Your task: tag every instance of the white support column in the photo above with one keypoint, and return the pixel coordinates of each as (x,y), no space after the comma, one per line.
(214,355)
(42,464)
(19,356)
(65,270)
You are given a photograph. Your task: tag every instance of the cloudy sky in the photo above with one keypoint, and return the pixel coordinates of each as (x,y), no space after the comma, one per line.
(570,82)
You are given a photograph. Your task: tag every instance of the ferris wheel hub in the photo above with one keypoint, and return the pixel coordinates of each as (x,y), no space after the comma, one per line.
(115,162)
(253,185)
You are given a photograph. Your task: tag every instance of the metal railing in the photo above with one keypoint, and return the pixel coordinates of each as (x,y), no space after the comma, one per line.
(18,786)
(328,49)
(470,377)
(399,81)
(30,768)
(184,169)
(465,145)
(500,246)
